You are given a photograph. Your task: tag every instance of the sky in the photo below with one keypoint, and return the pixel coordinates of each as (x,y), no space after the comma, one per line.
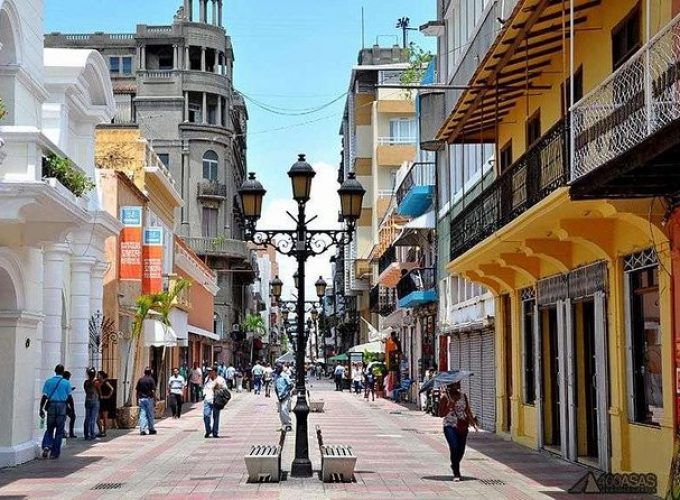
(293,56)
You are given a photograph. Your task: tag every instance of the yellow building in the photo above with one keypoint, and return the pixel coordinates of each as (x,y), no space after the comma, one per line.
(566,235)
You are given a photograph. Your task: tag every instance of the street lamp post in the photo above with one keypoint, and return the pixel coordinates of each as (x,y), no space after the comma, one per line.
(301,243)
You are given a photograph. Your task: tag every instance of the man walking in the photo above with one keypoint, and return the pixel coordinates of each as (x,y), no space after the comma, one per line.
(339,373)
(267,378)
(195,382)
(55,394)
(230,373)
(176,386)
(258,372)
(283,387)
(212,383)
(146,395)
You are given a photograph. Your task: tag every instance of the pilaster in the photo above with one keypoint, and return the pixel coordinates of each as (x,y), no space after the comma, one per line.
(54,260)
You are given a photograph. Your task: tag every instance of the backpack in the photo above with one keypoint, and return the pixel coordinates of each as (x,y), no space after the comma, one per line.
(221,397)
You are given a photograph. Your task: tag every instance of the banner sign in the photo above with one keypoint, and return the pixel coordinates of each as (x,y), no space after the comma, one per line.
(130,253)
(153,260)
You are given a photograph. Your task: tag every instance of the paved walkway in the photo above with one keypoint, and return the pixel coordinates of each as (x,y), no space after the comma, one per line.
(402,453)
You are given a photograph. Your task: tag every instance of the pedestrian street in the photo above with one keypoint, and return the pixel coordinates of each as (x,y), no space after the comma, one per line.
(401,453)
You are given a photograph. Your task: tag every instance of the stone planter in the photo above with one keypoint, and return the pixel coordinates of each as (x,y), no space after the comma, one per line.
(160,409)
(127,417)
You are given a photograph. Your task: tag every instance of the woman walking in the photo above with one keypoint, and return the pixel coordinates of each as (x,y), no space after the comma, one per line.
(458,417)
(106,392)
(92,396)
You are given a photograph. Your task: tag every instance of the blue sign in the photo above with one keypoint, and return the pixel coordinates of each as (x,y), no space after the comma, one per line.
(153,236)
(131,216)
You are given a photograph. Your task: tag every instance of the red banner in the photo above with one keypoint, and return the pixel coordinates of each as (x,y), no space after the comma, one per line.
(130,252)
(152,253)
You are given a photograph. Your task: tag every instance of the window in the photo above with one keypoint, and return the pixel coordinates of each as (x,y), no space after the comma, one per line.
(528,359)
(645,341)
(578,90)
(165,159)
(626,38)
(210,165)
(506,156)
(533,129)
(209,222)
(116,63)
(402,131)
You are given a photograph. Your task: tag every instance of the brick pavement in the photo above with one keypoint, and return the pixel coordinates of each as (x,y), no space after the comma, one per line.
(402,453)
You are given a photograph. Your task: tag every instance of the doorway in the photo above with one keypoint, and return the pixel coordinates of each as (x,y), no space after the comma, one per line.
(507,341)
(586,382)
(551,380)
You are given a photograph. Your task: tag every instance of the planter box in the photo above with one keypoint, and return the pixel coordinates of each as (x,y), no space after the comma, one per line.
(160,409)
(127,417)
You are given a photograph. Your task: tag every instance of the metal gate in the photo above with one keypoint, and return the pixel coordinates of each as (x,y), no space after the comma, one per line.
(476,352)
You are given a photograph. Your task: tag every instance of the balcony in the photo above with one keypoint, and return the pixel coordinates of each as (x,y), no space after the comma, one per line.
(416,192)
(219,247)
(540,171)
(211,191)
(417,287)
(382,300)
(393,151)
(390,268)
(626,132)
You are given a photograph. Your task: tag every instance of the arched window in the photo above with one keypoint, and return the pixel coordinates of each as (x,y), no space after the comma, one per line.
(210,165)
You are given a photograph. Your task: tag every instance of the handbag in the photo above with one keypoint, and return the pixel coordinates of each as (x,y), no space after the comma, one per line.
(221,398)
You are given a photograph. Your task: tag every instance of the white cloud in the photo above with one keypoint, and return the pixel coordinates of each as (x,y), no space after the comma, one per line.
(325,204)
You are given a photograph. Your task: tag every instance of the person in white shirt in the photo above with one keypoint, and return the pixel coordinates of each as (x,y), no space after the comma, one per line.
(258,372)
(176,386)
(357,378)
(267,377)
(212,382)
(231,371)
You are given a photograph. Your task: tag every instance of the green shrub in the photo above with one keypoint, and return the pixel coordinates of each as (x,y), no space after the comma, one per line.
(72,178)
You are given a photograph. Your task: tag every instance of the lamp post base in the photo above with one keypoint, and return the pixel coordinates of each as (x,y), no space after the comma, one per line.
(301,466)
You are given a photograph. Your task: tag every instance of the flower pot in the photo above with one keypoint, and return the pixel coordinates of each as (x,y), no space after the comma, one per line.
(127,417)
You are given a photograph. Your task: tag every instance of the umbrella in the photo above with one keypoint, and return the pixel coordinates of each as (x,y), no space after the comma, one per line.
(446,378)
(339,357)
(373,363)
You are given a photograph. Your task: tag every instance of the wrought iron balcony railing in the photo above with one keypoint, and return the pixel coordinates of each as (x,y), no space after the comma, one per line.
(382,300)
(417,280)
(420,174)
(637,100)
(540,171)
(212,189)
(387,258)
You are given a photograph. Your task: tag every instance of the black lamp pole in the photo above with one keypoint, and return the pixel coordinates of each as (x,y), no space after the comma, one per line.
(301,243)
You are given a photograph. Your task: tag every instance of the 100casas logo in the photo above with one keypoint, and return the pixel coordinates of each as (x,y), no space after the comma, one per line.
(608,482)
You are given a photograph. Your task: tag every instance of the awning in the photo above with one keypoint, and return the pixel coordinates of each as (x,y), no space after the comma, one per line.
(410,236)
(288,357)
(375,347)
(179,320)
(158,335)
(339,357)
(374,335)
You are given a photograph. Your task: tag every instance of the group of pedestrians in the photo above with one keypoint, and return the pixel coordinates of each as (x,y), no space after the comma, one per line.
(360,376)
(56,405)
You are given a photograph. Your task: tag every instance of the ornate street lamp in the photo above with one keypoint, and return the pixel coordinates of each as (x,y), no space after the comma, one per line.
(320,286)
(301,243)
(295,279)
(276,285)
(284,313)
(314,313)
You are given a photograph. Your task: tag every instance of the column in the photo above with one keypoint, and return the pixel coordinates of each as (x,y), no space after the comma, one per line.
(139,58)
(214,13)
(97,295)
(143,66)
(219,111)
(202,58)
(54,259)
(218,62)
(186,106)
(175,57)
(187,60)
(78,345)
(219,13)
(190,14)
(204,10)
(204,109)
(186,9)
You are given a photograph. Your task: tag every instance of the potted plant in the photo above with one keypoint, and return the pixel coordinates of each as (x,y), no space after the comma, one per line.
(159,306)
(61,169)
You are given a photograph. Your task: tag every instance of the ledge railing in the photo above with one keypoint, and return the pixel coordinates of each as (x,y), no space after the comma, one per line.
(420,174)
(537,173)
(634,102)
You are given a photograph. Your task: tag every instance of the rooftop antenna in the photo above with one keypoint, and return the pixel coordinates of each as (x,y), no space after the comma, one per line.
(404,23)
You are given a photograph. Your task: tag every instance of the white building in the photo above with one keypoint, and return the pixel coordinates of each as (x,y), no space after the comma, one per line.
(51,241)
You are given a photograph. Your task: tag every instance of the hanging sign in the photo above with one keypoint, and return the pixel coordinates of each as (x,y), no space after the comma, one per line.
(130,252)
(152,281)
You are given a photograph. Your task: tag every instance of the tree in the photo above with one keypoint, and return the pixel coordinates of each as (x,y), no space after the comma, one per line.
(254,323)
(158,305)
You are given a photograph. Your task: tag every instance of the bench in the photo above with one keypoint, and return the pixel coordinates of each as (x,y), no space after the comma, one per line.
(315,406)
(264,462)
(403,388)
(337,461)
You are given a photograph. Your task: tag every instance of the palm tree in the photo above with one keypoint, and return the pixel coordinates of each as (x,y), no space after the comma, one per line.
(157,304)
(253,323)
